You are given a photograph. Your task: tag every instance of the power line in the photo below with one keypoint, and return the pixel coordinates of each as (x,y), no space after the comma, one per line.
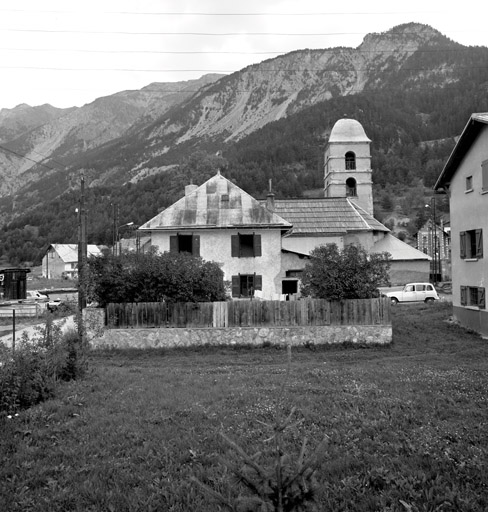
(212,34)
(237,14)
(210,52)
(244,70)
(156,52)
(27,158)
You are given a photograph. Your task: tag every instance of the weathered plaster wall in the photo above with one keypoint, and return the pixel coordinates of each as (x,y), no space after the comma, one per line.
(53,265)
(468,210)
(472,318)
(215,245)
(409,271)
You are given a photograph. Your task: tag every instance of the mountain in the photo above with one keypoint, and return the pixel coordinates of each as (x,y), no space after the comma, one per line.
(53,136)
(411,88)
(23,118)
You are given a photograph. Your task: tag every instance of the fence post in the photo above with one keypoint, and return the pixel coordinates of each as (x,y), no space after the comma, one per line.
(13,331)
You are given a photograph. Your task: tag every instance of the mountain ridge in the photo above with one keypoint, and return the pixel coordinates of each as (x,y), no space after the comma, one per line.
(269,120)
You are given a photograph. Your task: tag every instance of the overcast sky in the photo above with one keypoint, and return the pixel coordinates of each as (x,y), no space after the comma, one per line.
(69,52)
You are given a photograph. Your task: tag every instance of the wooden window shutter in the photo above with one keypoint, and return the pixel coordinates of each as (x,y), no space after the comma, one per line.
(236,286)
(479,243)
(464,293)
(481,298)
(173,244)
(258,282)
(484,175)
(235,246)
(195,245)
(462,240)
(257,244)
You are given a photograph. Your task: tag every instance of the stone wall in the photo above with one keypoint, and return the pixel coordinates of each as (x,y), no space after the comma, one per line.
(188,337)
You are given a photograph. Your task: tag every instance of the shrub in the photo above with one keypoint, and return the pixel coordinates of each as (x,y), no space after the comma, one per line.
(153,277)
(29,374)
(350,273)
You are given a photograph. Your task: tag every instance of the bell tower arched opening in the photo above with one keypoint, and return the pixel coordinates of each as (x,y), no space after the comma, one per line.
(350,161)
(351,187)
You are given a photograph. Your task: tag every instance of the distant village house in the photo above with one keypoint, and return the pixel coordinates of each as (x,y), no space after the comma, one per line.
(61,260)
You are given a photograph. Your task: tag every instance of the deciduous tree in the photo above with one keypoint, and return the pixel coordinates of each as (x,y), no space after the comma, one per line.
(153,277)
(350,273)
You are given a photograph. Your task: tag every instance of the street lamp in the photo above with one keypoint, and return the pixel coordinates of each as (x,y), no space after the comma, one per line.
(433,241)
(117,234)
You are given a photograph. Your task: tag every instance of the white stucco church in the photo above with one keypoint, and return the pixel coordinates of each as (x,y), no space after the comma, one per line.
(263,245)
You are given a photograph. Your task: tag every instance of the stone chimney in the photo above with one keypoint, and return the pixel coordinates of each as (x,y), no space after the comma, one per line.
(270,199)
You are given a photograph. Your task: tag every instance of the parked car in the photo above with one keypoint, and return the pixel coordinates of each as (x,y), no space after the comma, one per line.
(54,305)
(414,292)
(34,295)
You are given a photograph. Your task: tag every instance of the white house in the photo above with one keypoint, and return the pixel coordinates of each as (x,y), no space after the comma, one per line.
(465,179)
(220,222)
(61,260)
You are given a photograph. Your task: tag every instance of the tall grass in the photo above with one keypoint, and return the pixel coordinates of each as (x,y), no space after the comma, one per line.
(31,369)
(407,425)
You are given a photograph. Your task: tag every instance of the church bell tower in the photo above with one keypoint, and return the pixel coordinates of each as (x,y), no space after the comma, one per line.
(347,166)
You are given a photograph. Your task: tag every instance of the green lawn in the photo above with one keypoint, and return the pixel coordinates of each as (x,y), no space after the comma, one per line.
(407,425)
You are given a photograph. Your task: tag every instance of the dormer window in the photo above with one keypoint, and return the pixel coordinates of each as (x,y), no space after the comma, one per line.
(351,189)
(350,161)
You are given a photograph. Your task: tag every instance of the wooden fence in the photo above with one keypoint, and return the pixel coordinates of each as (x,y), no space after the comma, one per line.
(249,313)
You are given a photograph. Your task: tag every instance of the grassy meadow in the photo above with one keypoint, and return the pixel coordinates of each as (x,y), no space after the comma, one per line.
(406,426)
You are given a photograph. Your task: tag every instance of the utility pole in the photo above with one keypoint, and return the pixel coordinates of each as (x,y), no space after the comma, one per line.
(435,240)
(82,252)
(115,215)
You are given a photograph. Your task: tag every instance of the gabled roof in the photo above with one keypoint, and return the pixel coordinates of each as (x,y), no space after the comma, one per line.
(472,129)
(399,250)
(69,252)
(218,203)
(325,215)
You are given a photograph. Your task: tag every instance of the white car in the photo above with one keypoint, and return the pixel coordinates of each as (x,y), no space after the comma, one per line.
(34,295)
(414,292)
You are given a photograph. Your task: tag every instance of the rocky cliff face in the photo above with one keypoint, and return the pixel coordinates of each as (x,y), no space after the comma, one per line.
(140,132)
(247,100)
(53,136)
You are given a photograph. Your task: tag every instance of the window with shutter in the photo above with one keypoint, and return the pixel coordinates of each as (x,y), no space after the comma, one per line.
(234,240)
(246,245)
(173,244)
(244,285)
(462,242)
(185,243)
(463,296)
(471,244)
(484,175)
(257,245)
(236,286)
(195,246)
(473,296)
(479,243)
(258,282)
(481,298)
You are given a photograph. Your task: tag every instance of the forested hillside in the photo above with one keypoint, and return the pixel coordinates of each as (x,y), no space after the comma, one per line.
(408,152)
